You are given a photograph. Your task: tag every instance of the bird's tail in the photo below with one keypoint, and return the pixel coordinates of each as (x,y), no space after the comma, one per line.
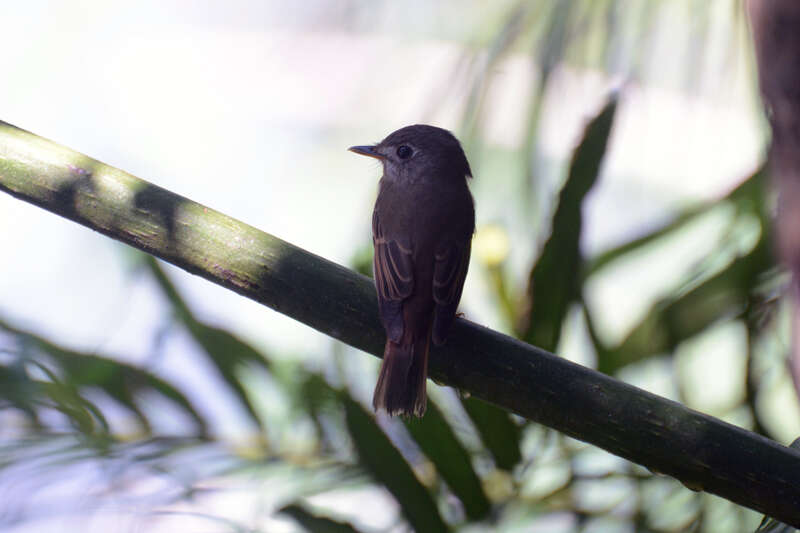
(401,383)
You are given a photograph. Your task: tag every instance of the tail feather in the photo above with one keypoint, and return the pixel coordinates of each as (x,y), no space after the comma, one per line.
(401,383)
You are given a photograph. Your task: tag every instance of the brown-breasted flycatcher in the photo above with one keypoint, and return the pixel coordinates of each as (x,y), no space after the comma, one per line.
(422,228)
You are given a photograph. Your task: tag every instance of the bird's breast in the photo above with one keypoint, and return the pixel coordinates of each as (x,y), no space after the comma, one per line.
(425,213)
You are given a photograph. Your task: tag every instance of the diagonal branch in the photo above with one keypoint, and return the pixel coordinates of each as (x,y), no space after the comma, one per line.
(701,451)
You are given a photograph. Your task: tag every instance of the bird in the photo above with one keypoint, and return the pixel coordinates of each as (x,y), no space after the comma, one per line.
(422,228)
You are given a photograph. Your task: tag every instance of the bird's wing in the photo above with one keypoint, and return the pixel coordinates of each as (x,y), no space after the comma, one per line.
(449,273)
(394,278)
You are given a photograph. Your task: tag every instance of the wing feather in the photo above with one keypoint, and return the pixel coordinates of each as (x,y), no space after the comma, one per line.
(449,273)
(394,278)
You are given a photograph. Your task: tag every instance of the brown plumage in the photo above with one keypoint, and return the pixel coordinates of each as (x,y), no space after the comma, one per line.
(422,229)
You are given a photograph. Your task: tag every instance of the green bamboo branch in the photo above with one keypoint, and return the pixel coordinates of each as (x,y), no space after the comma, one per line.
(701,451)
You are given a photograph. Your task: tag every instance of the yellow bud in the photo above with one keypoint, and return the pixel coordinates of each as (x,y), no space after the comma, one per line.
(491,244)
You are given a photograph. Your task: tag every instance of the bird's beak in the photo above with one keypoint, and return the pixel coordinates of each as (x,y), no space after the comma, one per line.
(368,151)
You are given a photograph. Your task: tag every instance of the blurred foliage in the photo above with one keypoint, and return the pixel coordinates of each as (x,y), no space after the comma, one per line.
(467,465)
(555,279)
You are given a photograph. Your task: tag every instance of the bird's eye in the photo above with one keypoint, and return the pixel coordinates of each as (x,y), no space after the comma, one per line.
(404,152)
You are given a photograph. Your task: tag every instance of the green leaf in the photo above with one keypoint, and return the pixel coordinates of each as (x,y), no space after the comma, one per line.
(67,399)
(437,440)
(675,319)
(554,282)
(748,195)
(227,352)
(498,431)
(230,355)
(316,524)
(384,462)
(119,380)
(19,390)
